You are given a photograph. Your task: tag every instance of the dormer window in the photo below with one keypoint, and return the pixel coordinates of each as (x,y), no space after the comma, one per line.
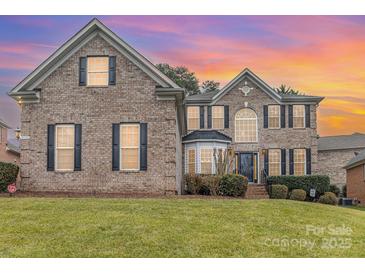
(97,71)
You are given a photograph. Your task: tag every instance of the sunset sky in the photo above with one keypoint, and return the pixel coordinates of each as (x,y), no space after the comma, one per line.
(319,55)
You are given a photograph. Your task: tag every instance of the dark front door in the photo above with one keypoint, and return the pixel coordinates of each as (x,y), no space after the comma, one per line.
(248,166)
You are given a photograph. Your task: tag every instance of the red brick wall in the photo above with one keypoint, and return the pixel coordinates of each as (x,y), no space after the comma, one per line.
(356,183)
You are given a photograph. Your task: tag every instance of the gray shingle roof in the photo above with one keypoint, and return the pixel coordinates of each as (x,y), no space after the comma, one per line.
(356,140)
(201,97)
(3,124)
(358,159)
(206,135)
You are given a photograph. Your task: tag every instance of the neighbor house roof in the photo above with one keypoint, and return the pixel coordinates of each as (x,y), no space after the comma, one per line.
(3,124)
(357,160)
(213,97)
(13,145)
(26,89)
(206,135)
(353,141)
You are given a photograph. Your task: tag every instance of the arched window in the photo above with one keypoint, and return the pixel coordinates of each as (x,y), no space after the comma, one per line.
(246,126)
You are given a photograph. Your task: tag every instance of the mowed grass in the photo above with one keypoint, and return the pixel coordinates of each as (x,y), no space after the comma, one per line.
(177,227)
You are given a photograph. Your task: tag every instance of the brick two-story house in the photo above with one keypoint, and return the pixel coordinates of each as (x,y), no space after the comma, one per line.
(97,116)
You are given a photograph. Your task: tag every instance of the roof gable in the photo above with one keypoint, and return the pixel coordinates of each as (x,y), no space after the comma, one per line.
(246,73)
(91,30)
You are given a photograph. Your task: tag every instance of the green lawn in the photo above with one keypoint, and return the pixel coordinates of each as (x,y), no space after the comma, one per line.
(176,227)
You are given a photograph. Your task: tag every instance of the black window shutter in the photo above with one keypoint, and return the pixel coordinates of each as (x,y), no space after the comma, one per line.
(209,117)
(266,162)
(308,158)
(143,146)
(82,71)
(283,161)
(307,116)
(115,147)
(112,70)
(226,116)
(50,147)
(291,161)
(77,154)
(282,116)
(290,113)
(201,116)
(266,116)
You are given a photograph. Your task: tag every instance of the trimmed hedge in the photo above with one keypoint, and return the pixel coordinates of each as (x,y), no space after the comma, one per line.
(328,198)
(278,192)
(227,185)
(298,195)
(320,182)
(233,185)
(8,175)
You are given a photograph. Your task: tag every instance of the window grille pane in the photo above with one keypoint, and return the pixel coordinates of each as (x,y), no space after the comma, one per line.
(299,162)
(218,117)
(98,71)
(193,118)
(206,161)
(274,116)
(191,161)
(274,162)
(130,158)
(298,116)
(65,159)
(246,126)
(129,145)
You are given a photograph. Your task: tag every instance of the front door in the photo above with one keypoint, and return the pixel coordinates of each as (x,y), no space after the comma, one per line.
(248,166)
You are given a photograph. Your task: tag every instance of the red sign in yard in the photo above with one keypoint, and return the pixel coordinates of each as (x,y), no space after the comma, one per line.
(12,188)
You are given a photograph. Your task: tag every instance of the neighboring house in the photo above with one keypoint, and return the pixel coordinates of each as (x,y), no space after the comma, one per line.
(334,152)
(355,177)
(99,117)
(9,149)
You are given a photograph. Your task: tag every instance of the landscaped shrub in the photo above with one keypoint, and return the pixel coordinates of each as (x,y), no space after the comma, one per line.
(328,198)
(278,192)
(335,189)
(210,183)
(233,185)
(193,183)
(298,195)
(8,174)
(320,182)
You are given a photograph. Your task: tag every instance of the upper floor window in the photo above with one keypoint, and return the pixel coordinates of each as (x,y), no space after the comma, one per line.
(299,162)
(218,117)
(246,126)
(98,71)
(129,146)
(193,117)
(274,116)
(298,116)
(65,144)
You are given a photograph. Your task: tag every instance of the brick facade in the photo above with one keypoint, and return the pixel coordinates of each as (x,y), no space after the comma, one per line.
(288,138)
(5,155)
(132,99)
(331,163)
(356,183)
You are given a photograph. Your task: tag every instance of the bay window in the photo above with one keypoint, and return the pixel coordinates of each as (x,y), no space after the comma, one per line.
(191,161)
(206,160)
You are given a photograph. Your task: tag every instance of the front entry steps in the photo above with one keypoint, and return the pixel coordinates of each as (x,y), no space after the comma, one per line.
(256,191)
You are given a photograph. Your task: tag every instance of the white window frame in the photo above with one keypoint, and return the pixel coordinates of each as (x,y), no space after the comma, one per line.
(215,108)
(88,73)
(278,149)
(139,147)
(268,114)
(211,160)
(305,161)
(303,106)
(188,122)
(245,119)
(56,147)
